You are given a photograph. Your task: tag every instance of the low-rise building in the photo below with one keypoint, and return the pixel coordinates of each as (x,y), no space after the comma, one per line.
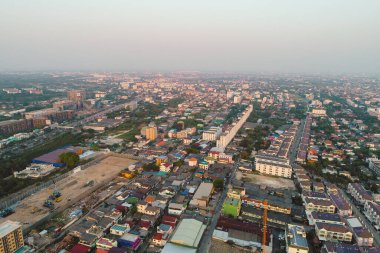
(319,205)
(359,193)
(332,232)
(296,241)
(231,207)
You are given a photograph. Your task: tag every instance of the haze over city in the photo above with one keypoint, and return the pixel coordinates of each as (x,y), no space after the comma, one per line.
(173,126)
(232,36)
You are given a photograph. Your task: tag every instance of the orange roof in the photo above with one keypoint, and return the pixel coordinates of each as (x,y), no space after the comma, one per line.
(150,199)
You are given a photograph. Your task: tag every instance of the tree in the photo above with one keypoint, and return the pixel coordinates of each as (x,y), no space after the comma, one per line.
(71,159)
(218,183)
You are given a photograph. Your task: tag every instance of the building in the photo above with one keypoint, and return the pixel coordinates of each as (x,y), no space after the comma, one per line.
(374,165)
(212,134)
(344,208)
(188,233)
(231,207)
(202,195)
(151,133)
(231,131)
(296,241)
(11,238)
(273,165)
(361,234)
(77,96)
(372,211)
(332,232)
(359,193)
(14,126)
(51,114)
(331,218)
(319,205)
(318,112)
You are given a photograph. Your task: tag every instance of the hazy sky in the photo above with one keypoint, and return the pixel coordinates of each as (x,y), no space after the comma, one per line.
(206,35)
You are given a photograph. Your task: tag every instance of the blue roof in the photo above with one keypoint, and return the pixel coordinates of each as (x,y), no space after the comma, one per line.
(164,227)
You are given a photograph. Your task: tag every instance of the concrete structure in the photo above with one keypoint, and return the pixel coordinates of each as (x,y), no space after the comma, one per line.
(77,96)
(374,165)
(34,171)
(372,211)
(11,238)
(202,195)
(188,233)
(296,241)
(319,112)
(359,193)
(212,134)
(231,207)
(319,205)
(274,166)
(230,133)
(14,126)
(151,133)
(332,232)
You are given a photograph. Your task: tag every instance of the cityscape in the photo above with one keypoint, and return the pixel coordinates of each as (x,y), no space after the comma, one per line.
(135,158)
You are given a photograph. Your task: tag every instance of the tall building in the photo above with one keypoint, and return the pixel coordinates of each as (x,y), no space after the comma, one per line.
(14,126)
(11,238)
(151,133)
(76,95)
(212,134)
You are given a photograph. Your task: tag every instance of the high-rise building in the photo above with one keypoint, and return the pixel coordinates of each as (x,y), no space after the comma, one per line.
(11,238)
(76,95)
(151,133)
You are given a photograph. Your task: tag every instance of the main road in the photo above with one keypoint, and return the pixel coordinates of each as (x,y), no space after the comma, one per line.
(207,236)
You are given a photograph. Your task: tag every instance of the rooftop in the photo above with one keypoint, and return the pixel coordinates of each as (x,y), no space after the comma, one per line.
(297,236)
(7,227)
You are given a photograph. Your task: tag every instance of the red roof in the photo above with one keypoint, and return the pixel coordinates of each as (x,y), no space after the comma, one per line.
(80,248)
(144,224)
(169,220)
(157,236)
(101,250)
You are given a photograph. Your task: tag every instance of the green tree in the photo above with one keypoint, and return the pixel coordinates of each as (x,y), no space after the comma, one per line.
(218,183)
(71,159)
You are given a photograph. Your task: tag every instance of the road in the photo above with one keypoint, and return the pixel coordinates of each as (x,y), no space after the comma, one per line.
(296,143)
(363,219)
(206,239)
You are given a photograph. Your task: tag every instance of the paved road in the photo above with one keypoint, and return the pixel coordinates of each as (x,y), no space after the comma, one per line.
(363,219)
(206,240)
(296,143)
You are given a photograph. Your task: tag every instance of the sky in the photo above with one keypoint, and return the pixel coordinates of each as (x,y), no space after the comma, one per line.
(282,36)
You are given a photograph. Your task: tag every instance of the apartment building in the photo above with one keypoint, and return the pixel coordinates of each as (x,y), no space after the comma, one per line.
(332,232)
(372,211)
(151,133)
(273,165)
(230,133)
(14,126)
(343,207)
(212,134)
(359,193)
(11,238)
(319,205)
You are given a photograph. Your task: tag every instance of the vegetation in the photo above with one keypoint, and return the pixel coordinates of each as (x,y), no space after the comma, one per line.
(71,159)
(151,167)
(218,183)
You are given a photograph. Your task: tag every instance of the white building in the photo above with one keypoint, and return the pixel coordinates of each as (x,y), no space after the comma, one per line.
(296,241)
(273,165)
(212,134)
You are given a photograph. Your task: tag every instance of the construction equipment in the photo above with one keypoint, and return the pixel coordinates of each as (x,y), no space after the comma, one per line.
(55,195)
(6,212)
(264,238)
(49,204)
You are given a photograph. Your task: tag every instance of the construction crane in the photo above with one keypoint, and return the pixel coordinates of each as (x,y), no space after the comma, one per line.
(264,237)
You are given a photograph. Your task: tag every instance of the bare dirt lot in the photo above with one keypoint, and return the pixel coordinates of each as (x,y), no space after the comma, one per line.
(273,182)
(31,209)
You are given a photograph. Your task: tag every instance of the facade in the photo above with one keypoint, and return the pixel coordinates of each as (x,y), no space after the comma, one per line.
(296,241)
(230,133)
(151,133)
(212,134)
(11,238)
(374,165)
(372,211)
(359,193)
(76,96)
(332,232)
(273,165)
(319,205)
(14,126)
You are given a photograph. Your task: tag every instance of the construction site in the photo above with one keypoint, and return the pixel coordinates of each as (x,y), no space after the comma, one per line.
(69,191)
